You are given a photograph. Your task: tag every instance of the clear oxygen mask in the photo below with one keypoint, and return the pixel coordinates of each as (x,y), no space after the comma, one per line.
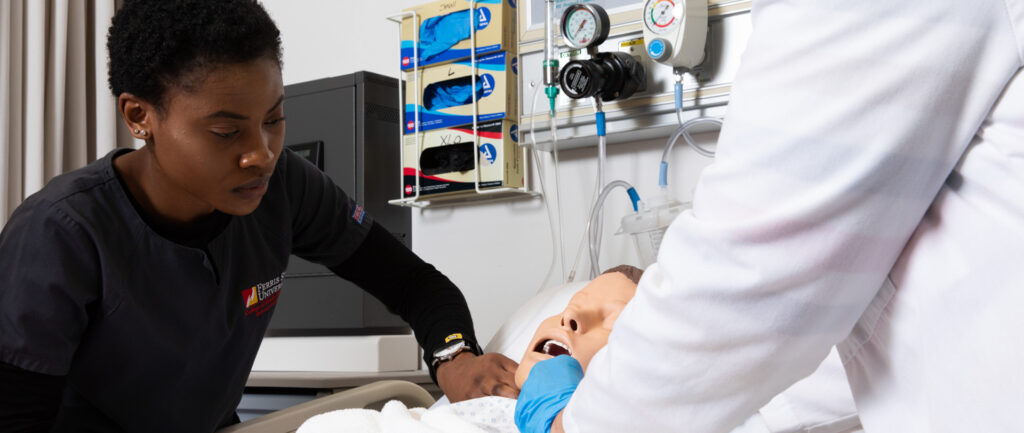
(647,227)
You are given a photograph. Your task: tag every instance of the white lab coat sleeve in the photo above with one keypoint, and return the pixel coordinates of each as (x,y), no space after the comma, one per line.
(819,403)
(844,120)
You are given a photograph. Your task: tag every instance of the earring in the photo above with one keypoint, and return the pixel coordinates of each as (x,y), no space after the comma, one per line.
(135,131)
(143,133)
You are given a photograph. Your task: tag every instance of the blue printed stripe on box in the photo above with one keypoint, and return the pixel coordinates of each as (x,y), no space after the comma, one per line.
(434,120)
(407,60)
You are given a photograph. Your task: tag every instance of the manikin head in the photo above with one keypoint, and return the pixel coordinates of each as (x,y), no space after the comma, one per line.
(582,328)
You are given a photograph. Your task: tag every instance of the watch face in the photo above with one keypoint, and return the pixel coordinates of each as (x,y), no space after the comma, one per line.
(450,349)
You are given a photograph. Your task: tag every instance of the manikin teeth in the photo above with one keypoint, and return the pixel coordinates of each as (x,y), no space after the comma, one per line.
(550,346)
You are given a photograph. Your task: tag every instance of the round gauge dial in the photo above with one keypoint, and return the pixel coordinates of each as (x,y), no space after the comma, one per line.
(584,25)
(660,16)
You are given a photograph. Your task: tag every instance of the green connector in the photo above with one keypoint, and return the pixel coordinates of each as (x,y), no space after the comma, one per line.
(552,92)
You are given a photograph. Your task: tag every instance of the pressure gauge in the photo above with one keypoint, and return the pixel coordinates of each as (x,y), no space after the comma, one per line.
(585,25)
(608,76)
(661,15)
(675,31)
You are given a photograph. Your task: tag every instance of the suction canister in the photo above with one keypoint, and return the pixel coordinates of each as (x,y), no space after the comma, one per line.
(647,227)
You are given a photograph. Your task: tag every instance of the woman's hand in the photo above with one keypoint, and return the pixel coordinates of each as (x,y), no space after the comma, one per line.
(469,376)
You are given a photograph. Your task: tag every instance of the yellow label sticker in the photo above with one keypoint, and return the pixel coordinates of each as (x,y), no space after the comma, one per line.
(631,42)
(452,337)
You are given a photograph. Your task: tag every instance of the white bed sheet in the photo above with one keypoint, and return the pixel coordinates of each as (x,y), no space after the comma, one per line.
(479,415)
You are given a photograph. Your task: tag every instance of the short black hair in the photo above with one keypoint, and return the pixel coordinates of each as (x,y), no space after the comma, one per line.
(156,44)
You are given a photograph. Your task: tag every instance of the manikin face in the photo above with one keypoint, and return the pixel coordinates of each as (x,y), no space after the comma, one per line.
(583,327)
(217,142)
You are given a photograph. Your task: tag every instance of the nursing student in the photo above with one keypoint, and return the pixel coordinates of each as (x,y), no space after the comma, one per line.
(868,192)
(122,283)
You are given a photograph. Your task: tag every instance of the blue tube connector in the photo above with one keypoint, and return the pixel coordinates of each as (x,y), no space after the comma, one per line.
(635,198)
(663,174)
(600,123)
(679,96)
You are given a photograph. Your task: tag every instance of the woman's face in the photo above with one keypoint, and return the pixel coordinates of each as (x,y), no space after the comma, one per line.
(216,142)
(583,327)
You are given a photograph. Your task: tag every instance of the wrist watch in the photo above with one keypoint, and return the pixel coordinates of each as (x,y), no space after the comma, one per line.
(449,351)
(453,346)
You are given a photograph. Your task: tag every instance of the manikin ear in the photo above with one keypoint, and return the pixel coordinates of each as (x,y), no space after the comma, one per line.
(138,114)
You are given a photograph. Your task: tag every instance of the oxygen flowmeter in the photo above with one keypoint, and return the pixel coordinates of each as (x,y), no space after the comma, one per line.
(675,31)
(608,76)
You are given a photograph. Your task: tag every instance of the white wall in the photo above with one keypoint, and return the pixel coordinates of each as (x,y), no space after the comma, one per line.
(497,253)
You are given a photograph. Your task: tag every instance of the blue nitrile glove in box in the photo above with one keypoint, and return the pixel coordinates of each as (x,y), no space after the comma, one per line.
(438,34)
(546,392)
(451,93)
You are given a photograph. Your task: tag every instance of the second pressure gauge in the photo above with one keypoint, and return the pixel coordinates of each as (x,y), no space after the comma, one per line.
(585,25)
(661,16)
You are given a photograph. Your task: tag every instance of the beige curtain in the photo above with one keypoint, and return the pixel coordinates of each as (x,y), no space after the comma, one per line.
(56,111)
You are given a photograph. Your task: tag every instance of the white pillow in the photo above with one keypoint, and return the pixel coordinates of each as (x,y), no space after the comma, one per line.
(514,335)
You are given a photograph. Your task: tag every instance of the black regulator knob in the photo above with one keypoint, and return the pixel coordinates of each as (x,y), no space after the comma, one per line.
(582,79)
(608,75)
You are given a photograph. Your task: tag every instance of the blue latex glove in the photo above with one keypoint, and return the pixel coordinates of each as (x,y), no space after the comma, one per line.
(451,93)
(440,33)
(546,392)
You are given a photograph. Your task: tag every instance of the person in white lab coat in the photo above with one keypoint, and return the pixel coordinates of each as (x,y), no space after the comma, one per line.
(868,192)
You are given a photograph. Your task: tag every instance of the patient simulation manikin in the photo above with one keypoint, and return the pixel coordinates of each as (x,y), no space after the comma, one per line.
(583,327)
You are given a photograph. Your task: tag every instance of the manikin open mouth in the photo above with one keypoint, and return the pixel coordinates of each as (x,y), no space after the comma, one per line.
(553,348)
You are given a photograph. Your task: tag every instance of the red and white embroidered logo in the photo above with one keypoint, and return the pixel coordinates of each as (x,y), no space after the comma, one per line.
(358,215)
(260,298)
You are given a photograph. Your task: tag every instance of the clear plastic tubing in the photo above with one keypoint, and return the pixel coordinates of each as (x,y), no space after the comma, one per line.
(683,131)
(679,98)
(558,191)
(555,248)
(602,148)
(602,151)
(595,235)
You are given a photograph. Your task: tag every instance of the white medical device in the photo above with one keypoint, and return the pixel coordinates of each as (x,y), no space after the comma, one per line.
(647,226)
(675,31)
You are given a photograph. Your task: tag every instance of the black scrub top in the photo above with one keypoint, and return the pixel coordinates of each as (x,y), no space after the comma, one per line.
(156,335)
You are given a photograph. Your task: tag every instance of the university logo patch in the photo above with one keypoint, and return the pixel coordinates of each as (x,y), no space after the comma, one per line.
(260,298)
(250,296)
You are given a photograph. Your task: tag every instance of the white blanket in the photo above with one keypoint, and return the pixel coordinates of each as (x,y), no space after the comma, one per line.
(479,415)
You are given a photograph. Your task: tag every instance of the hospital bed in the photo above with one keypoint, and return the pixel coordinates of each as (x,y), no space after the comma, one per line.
(511,340)
(367,396)
(819,403)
